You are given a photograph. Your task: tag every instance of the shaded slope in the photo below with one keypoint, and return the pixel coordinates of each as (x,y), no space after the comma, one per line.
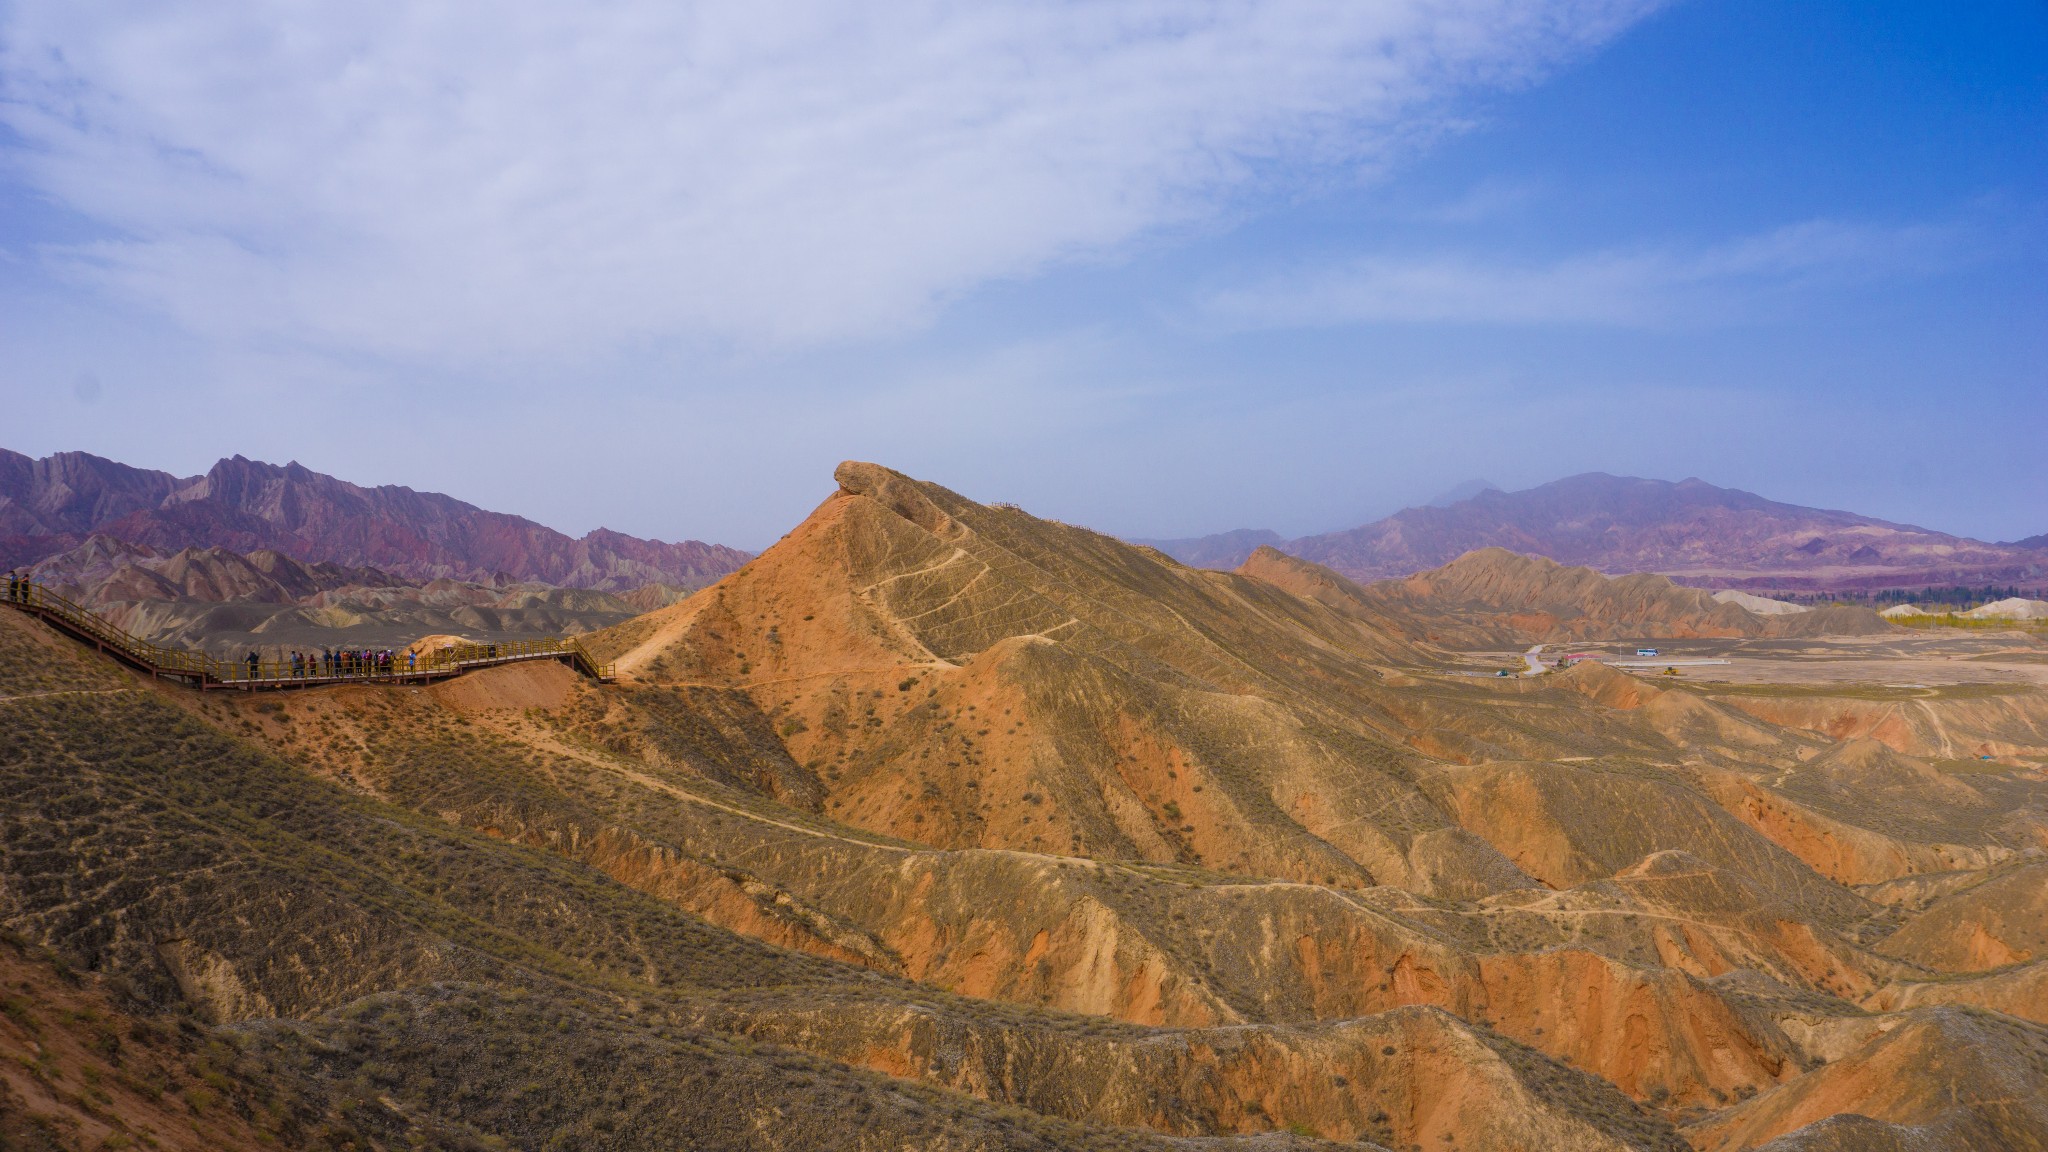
(1999,921)
(1937,1079)
(1862,813)
(81,1070)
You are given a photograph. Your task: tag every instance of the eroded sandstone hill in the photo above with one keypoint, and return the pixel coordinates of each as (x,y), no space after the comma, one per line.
(943,826)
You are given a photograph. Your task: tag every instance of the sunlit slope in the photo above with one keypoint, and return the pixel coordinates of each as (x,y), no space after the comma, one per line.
(378,890)
(967,676)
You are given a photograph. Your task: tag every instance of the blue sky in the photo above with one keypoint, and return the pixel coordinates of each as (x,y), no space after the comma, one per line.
(1162,269)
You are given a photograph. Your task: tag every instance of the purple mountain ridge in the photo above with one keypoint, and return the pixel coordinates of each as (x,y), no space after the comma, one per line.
(52,505)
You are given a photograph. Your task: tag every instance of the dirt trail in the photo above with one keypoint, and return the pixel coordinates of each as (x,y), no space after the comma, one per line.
(551,744)
(67,692)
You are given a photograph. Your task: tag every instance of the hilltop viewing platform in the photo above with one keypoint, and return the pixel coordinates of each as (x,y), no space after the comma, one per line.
(204,672)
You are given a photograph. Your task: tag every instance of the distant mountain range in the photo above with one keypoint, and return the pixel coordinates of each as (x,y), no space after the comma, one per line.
(1690,530)
(1223,551)
(55,504)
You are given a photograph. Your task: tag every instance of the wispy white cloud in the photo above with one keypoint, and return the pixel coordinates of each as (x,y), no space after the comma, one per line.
(466,178)
(1631,287)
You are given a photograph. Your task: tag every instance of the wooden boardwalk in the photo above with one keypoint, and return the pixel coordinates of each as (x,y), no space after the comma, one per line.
(204,672)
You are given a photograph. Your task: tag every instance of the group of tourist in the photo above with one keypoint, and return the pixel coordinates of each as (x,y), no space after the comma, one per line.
(329,663)
(332,662)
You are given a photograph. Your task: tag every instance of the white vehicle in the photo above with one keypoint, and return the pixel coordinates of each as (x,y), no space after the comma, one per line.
(1646,651)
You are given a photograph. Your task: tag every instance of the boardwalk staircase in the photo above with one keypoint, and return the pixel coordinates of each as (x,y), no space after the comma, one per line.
(204,672)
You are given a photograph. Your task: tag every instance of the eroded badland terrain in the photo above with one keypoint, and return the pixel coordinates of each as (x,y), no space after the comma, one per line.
(941,826)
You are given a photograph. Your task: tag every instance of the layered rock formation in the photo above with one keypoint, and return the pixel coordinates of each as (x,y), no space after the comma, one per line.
(228,604)
(52,505)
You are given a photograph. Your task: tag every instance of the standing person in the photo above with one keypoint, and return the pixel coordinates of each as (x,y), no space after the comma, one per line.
(253,662)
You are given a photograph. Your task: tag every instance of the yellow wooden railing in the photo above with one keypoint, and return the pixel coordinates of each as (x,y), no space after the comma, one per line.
(327,668)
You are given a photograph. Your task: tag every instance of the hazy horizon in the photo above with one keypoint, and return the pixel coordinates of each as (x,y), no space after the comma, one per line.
(1457,493)
(1166,272)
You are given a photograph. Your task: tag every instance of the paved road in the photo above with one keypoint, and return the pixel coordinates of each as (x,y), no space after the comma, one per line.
(1535,663)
